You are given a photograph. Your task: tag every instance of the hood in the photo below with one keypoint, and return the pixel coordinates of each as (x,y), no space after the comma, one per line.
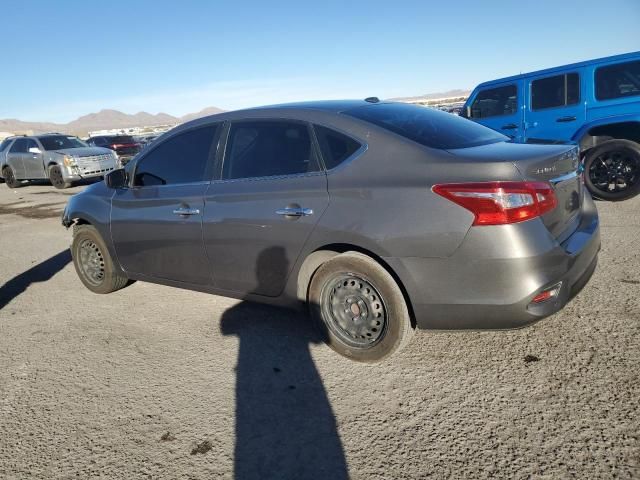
(83,151)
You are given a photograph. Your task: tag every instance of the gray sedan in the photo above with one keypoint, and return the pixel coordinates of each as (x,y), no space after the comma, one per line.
(381,217)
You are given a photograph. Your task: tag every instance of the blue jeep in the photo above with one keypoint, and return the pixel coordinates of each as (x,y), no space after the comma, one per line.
(595,104)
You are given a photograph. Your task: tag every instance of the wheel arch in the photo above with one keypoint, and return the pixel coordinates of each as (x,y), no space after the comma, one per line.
(315,259)
(597,132)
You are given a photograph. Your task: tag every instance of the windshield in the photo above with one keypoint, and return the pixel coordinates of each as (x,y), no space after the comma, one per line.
(121,139)
(427,126)
(59,142)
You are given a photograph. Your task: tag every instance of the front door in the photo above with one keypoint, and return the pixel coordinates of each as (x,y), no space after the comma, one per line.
(33,164)
(498,107)
(555,109)
(156,223)
(258,216)
(14,157)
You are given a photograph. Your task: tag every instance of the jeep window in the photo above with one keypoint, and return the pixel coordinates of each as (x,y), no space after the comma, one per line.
(180,159)
(617,81)
(557,91)
(59,142)
(19,146)
(427,126)
(494,102)
(268,148)
(335,147)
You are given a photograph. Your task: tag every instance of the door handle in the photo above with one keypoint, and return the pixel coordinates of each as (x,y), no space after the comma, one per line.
(509,126)
(566,119)
(294,212)
(186,211)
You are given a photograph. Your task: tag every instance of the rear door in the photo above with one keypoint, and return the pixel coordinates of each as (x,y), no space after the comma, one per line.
(270,194)
(33,163)
(498,107)
(156,223)
(15,157)
(555,108)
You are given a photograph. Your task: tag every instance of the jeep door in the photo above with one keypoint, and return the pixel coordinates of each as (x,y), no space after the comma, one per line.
(555,108)
(15,157)
(156,223)
(269,195)
(32,161)
(498,107)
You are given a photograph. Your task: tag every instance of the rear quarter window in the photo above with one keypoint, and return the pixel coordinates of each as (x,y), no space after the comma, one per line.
(334,146)
(618,81)
(428,127)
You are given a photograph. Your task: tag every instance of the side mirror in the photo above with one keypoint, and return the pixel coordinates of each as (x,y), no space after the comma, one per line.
(116,178)
(35,150)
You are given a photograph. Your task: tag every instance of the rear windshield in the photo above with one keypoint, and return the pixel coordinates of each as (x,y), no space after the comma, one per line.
(121,139)
(58,142)
(426,126)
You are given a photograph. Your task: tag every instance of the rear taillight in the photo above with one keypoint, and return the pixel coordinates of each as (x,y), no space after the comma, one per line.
(500,203)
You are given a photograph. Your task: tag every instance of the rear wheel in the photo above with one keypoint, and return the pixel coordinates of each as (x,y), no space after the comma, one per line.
(93,263)
(56,178)
(612,170)
(359,308)
(10,178)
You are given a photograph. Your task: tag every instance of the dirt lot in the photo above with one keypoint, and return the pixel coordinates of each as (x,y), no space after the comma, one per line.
(154,382)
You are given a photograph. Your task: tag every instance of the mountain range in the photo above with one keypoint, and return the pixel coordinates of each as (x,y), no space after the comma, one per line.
(104,119)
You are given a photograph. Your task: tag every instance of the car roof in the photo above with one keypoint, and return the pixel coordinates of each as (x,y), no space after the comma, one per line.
(561,68)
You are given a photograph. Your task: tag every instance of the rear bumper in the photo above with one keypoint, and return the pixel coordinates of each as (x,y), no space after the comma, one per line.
(491,280)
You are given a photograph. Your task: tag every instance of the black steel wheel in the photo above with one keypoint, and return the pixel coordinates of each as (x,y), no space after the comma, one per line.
(359,308)
(92,261)
(612,170)
(56,178)
(10,178)
(354,310)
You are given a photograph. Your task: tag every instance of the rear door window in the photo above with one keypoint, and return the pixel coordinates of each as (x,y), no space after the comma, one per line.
(556,91)
(426,126)
(494,102)
(618,81)
(334,146)
(180,159)
(268,148)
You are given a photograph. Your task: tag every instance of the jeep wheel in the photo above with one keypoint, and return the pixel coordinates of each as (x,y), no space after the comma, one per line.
(93,263)
(56,178)
(612,170)
(359,308)
(10,178)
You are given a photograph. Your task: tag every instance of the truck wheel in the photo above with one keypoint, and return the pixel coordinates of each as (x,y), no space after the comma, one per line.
(56,178)
(93,263)
(359,308)
(10,178)
(612,170)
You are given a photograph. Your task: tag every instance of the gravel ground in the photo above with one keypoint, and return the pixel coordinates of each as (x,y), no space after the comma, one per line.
(155,382)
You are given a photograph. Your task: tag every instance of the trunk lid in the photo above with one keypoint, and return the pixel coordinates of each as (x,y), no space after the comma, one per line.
(556,164)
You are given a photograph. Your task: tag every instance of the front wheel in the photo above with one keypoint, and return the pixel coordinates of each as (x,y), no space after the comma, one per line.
(10,178)
(93,263)
(56,178)
(359,308)
(612,170)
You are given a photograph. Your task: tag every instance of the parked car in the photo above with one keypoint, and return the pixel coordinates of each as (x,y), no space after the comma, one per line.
(124,145)
(595,104)
(381,216)
(62,159)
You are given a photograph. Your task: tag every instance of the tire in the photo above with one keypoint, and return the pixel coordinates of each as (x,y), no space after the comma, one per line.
(359,308)
(56,178)
(612,170)
(10,178)
(93,263)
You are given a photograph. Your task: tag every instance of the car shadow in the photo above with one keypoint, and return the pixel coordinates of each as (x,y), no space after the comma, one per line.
(38,273)
(285,427)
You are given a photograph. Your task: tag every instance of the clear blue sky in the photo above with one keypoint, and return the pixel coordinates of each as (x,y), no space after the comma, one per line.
(63,59)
